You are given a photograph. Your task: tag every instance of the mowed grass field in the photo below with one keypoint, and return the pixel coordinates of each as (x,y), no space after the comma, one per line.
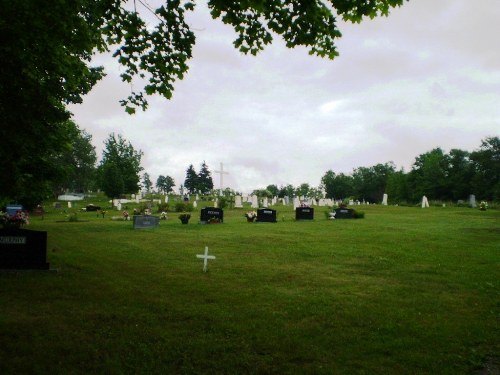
(403,291)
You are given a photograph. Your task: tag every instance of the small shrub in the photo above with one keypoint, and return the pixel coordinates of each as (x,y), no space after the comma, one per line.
(183,207)
(222,203)
(73,217)
(163,207)
(358,214)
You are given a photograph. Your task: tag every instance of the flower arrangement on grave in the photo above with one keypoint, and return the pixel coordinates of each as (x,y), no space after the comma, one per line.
(214,220)
(184,218)
(251,216)
(163,216)
(125,215)
(103,213)
(483,206)
(17,220)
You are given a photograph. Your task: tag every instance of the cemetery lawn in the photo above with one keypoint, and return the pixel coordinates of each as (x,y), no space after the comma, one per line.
(403,291)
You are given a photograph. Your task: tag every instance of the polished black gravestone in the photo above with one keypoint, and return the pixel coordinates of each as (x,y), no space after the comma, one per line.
(146,221)
(266,215)
(23,249)
(344,213)
(209,213)
(304,213)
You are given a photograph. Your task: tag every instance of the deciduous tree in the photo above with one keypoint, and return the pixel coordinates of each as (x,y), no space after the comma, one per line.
(120,167)
(486,164)
(50,44)
(165,184)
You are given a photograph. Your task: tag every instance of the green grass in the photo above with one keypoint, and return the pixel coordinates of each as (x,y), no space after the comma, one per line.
(402,291)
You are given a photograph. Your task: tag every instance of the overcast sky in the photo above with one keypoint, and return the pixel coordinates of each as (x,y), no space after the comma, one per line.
(426,76)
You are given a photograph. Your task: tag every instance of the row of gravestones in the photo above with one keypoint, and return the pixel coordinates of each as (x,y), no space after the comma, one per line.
(264,215)
(27,249)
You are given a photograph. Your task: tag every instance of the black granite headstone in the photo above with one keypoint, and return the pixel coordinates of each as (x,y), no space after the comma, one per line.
(23,249)
(266,215)
(208,213)
(344,213)
(304,213)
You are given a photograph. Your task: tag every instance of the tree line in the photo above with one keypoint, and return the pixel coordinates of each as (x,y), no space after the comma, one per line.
(438,175)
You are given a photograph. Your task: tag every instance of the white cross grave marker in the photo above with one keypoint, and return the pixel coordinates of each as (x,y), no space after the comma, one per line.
(205,258)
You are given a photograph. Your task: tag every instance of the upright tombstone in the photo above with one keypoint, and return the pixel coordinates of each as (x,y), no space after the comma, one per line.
(472,201)
(13,209)
(237,202)
(23,249)
(119,206)
(255,201)
(209,213)
(296,202)
(344,213)
(425,202)
(265,202)
(384,200)
(304,213)
(195,204)
(266,215)
(145,221)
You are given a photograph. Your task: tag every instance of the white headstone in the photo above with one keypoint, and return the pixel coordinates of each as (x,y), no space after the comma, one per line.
(472,201)
(237,201)
(137,199)
(425,202)
(216,202)
(384,200)
(166,198)
(69,204)
(296,202)
(255,201)
(205,258)
(265,202)
(119,206)
(195,204)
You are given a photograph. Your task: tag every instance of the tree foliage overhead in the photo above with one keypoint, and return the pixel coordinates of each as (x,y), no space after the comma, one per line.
(48,47)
